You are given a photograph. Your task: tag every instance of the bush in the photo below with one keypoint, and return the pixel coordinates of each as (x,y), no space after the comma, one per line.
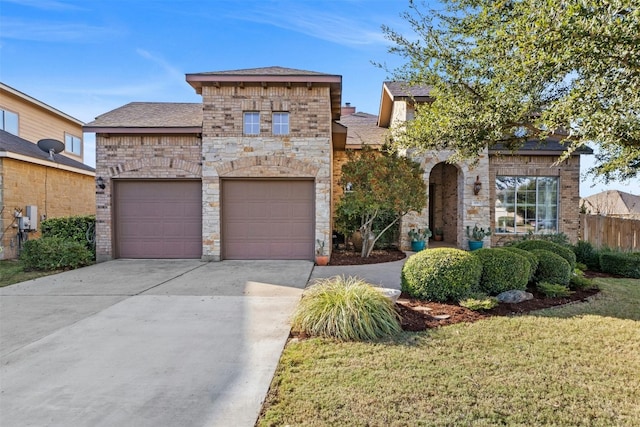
(623,264)
(587,255)
(552,268)
(346,309)
(558,238)
(441,274)
(553,290)
(531,258)
(54,253)
(76,228)
(477,303)
(563,251)
(502,270)
(578,281)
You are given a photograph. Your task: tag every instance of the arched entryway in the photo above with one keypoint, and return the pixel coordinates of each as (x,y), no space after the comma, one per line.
(443,201)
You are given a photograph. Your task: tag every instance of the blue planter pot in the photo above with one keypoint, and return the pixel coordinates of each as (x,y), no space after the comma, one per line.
(473,245)
(417,246)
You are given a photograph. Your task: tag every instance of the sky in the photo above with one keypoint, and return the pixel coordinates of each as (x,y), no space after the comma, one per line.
(88,57)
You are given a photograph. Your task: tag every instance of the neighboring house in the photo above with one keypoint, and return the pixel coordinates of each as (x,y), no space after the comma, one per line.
(612,203)
(252,172)
(32,181)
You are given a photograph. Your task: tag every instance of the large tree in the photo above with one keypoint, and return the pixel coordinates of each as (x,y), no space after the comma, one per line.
(504,71)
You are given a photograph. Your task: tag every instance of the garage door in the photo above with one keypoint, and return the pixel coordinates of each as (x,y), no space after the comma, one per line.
(158,219)
(268,219)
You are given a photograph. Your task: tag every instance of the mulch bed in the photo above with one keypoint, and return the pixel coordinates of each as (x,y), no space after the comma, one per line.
(417,315)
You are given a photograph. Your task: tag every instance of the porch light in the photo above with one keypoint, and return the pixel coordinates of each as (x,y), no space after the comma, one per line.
(477,186)
(100,183)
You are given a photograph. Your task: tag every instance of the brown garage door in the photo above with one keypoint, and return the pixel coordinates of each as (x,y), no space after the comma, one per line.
(158,219)
(268,219)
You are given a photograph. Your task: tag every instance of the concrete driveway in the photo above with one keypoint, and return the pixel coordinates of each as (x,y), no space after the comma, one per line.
(145,342)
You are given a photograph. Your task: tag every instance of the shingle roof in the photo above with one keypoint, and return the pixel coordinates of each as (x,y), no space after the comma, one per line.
(362,128)
(549,144)
(264,71)
(151,115)
(404,89)
(14,144)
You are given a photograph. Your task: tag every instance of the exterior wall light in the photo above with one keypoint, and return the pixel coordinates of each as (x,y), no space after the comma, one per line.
(477,186)
(100,183)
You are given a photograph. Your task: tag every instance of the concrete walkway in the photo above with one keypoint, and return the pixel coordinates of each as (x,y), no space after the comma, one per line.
(385,275)
(145,342)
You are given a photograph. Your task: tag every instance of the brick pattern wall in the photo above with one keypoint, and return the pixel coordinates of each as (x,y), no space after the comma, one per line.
(569,187)
(226,152)
(55,192)
(139,157)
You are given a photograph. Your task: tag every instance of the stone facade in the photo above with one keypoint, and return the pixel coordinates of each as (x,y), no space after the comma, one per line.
(306,152)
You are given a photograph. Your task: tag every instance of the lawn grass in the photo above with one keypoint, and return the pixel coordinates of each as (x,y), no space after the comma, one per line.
(572,366)
(13,272)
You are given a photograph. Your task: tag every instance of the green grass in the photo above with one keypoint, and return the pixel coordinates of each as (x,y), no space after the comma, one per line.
(571,366)
(13,272)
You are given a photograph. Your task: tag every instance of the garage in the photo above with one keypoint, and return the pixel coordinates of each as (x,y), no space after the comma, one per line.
(268,219)
(158,219)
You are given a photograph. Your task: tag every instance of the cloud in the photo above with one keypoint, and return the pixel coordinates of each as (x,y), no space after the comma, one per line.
(171,71)
(45,4)
(44,31)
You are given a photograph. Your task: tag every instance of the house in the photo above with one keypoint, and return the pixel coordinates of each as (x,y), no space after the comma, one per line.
(35,184)
(613,203)
(252,171)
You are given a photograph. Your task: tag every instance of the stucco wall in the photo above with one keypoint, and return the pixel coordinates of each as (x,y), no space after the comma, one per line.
(55,192)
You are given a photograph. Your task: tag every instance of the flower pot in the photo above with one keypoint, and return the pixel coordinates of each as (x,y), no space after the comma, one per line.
(417,246)
(322,259)
(437,237)
(475,244)
(356,239)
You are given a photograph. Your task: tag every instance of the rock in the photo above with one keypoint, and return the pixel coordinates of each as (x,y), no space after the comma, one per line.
(441,316)
(514,296)
(392,294)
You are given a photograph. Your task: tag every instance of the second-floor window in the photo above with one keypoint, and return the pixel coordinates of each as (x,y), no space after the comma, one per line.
(281,123)
(72,144)
(251,123)
(9,121)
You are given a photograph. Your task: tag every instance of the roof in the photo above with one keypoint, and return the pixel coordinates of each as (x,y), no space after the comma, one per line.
(399,91)
(613,203)
(40,104)
(406,90)
(263,71)
(362,128)
(551,146)
(15,147)
(174,117)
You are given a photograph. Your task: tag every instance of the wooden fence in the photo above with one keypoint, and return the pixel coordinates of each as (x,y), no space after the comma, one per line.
(607,231)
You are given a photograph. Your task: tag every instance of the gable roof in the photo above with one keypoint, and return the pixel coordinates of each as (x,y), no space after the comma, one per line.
(613,203)
(150,117)
(399,91)
(14,147)
(362,129)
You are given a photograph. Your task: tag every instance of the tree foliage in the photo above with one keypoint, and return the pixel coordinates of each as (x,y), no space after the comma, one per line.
(503,72)
(379,182)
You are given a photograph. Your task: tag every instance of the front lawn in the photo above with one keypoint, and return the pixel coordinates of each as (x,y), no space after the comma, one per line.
(13,272)
(570,366)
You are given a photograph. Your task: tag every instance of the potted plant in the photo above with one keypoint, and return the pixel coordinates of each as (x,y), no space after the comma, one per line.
(438,234)
(418,238)
(476,235)
(321,258)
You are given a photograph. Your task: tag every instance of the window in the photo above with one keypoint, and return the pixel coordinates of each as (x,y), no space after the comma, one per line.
(72,144)
(281,123)
(525,204)
(9,122)
(251,125)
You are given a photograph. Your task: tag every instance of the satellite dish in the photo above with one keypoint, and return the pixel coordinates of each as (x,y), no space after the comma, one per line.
(51,146)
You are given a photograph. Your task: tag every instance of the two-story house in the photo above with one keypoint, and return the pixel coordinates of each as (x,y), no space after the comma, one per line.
(32,181)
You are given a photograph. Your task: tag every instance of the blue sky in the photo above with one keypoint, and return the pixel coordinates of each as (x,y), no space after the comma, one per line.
(87,57)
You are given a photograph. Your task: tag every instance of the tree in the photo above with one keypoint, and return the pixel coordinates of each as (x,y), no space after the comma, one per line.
(379,183)
(505,71)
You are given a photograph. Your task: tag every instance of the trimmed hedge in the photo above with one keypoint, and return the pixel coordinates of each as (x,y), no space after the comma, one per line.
(76,228)
(54,253)
(563,251)
(443,274)
(502,270)
(587,255)
(624,264)
(531,258)
(552,268)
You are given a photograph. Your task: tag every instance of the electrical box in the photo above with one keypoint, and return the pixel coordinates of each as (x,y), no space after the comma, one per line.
(32,214)
(23,223)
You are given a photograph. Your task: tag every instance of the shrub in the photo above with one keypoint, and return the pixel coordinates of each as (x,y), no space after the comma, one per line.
(502,270)
(479,302)
(552,267)
(54,253)
(587,254)
(553,290)
(578,281)
(346,309)
(531,258)
(76,228)
(563,251)
(623,264)
(441,274)
(558,238)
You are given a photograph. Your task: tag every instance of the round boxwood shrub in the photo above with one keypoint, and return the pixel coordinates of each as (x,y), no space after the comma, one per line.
(346,309)
(552,268)
(531,258)
(443,274)
(54,253)
(563,251)
(502,270)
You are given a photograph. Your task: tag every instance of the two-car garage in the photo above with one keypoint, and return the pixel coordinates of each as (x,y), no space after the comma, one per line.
(260,218)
